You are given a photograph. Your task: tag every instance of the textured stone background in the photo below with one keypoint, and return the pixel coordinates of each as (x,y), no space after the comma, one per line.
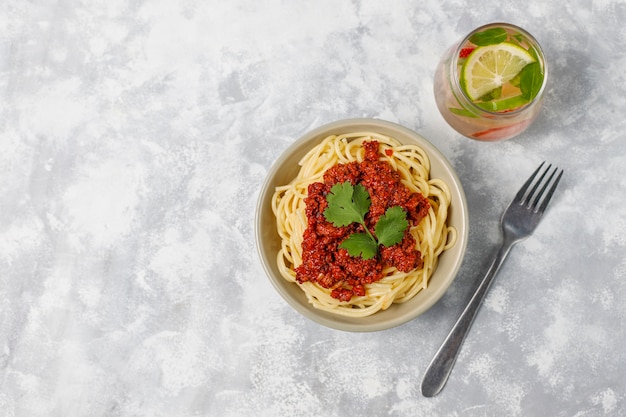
(134,137)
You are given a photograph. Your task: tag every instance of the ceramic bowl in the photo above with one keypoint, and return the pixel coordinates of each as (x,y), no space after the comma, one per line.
(285,169)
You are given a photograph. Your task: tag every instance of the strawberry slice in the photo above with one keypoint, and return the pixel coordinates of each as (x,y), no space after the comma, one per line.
(465,52)
(500,133)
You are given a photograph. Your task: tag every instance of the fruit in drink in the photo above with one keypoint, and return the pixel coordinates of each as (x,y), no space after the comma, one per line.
(488,68)
(491,81)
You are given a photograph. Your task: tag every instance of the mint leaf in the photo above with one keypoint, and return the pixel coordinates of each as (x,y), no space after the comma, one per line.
(504,104)
(461,112)
(360,244)
(531,80)
(494,94)
(391,226)
(533,52)
(347,204)
(491,36)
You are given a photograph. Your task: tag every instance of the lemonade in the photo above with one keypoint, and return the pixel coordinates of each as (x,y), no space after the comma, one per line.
(490,85)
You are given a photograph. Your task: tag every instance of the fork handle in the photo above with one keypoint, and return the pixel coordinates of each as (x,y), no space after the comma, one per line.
(440,367)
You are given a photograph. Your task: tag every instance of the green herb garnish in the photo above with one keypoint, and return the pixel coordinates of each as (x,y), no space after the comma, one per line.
(462,112)
(491,36)
(360,244)
(531,80)
(349,204)
(494,94)
(391,226)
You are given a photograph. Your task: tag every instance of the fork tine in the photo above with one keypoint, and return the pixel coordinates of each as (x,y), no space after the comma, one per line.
(519,197)
(548,196)
(528,201)
(533,205)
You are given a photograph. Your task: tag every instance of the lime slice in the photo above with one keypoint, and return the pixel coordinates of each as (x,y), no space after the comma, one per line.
(489,67)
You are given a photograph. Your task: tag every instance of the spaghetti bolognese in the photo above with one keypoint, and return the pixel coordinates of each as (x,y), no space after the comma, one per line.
(393,174)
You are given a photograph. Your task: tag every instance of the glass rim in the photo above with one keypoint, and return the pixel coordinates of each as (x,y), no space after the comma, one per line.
(466,101)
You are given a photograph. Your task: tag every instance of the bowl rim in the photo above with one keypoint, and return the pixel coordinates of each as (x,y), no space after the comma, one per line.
(335,321)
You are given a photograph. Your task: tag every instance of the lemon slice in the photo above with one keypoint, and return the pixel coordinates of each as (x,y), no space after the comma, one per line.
(489,67)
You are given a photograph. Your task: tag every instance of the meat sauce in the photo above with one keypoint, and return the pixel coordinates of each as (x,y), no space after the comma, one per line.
(332,267)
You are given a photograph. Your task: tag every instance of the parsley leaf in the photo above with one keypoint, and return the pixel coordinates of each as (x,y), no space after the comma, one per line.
(347,204)
(391,226)
(360,244)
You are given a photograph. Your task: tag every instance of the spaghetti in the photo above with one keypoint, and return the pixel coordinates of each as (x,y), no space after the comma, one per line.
(431,234)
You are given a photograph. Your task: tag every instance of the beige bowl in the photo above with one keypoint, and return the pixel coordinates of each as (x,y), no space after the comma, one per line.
(268,241)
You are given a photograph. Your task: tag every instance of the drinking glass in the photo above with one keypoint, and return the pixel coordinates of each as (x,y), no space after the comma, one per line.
(490,85)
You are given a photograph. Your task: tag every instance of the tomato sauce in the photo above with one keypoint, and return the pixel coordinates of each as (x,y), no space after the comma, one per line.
(332,267)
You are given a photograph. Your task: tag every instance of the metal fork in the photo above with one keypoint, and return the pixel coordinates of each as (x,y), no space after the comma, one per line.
(518,222)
